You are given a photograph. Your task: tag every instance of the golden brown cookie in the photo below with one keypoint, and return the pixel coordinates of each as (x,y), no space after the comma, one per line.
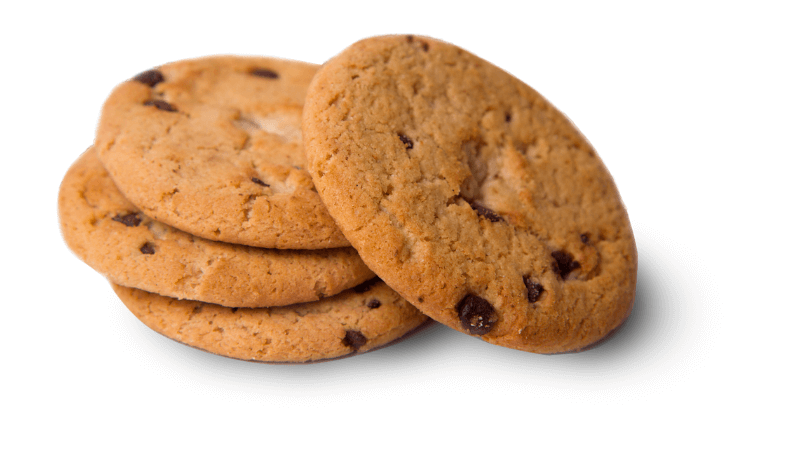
(115,238)
(349,323)
(212,147)
(470,194)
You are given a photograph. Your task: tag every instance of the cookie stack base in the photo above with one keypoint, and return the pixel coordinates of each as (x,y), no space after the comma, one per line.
(344,325)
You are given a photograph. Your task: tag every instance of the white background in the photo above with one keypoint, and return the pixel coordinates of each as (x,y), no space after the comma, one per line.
(692,105)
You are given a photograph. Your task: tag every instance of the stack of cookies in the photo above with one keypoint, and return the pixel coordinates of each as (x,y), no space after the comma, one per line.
(224,226)
(195,188)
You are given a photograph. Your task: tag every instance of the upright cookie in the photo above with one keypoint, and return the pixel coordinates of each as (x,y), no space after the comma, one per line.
(113,237)
(349,323)
(212,147)
(470,195)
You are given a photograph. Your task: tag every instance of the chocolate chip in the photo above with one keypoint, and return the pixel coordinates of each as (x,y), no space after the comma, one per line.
(264,73)
(197,309)
(485,212)
(374,303)
(534,289)
(258,181)
(409,143)
(421,300)
(564,263)
(355,339)
(508,117)
(476,314)
(585,238)
(150,77)
(160,104)
(410,39)
(129,220)
(233,310)
(365,286)
(147,249)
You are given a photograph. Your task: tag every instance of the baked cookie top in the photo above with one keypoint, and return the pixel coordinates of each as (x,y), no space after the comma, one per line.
(212,146)
(470,194)
(355,321)
(115,238)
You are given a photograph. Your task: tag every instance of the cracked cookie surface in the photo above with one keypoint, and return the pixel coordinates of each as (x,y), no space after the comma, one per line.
(212,146)
(115,238)
(470,194)
(347,324)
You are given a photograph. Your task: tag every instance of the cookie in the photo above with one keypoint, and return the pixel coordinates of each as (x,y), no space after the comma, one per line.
(349,323)
(115,238)
(212,147)
(470,195)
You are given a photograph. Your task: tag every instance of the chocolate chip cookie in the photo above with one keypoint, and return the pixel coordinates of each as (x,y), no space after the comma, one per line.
(353,322)
(470,194)
(115,238)
(212,146)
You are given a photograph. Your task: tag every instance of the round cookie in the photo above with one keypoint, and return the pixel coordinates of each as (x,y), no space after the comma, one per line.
(113,237)
(212,146)
(470,195)
(349,323)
